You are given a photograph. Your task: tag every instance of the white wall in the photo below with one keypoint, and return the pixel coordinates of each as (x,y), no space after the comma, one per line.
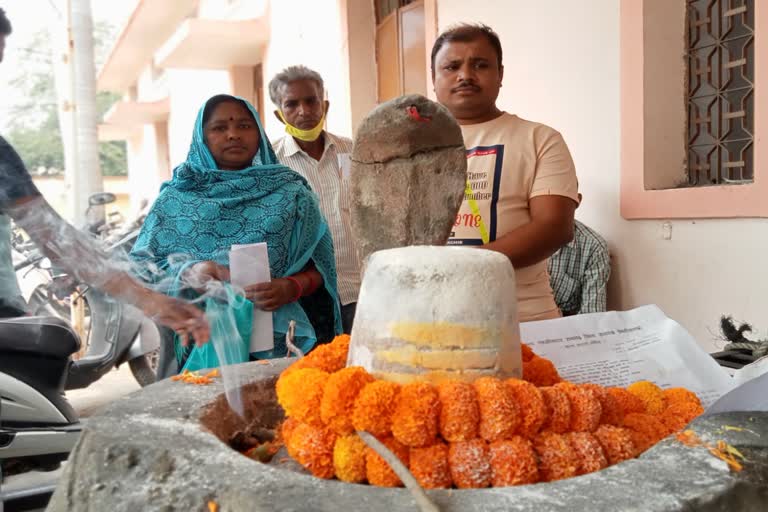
(309,32)
(562,68)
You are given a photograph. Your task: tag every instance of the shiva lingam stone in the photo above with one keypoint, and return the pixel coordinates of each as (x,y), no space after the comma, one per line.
(434,313)
(409,172)
(168,447)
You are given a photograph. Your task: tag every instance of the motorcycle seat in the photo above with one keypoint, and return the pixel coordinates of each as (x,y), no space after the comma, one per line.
(43,335)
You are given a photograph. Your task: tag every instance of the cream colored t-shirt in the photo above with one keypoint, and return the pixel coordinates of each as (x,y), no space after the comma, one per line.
(509,161)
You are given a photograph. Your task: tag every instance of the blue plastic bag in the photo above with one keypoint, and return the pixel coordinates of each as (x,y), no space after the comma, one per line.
(231,319)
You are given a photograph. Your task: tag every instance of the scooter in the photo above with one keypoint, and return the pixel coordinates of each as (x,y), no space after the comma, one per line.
(38,426)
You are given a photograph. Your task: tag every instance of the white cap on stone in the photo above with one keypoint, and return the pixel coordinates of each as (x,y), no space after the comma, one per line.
(432,313)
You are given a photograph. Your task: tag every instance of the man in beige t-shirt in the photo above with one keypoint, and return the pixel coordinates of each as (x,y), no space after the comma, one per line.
(522,189)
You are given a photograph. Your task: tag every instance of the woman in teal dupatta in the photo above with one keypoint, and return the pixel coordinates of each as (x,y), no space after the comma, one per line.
(231,190)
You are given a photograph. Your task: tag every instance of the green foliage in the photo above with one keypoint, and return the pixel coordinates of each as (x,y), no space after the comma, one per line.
(34,126)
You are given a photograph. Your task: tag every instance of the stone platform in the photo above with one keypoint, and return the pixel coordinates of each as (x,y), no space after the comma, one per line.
(161,449)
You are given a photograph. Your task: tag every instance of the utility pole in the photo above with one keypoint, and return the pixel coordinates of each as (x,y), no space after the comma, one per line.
(88,178)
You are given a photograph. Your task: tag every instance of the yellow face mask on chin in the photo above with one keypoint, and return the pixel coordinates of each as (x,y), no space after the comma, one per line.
(305,135)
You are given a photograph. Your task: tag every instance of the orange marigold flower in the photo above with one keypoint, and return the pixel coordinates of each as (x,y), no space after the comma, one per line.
(558,418)
(499,415)
(540,371)
(526,352)
(329,357)
(645,429)
(616,442)
(430,466)
(373,408)
(513,462)
(378,471)
(651,395)
(530,403)
(417,415)
(300,393)
(470,464)
(557,460)
(613,413)
(339,396)
(287,427)
(585,407)
(349,459)
(313,448)
(627,401)
(588,451)
(680,396)
(679,414)
(459,411)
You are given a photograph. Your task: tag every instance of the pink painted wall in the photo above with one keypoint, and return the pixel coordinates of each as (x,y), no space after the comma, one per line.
(562,63)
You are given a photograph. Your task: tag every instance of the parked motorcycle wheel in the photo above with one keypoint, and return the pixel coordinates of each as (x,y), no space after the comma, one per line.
(144,368)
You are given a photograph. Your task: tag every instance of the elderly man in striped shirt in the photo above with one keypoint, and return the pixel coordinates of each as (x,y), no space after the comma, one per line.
(323,159)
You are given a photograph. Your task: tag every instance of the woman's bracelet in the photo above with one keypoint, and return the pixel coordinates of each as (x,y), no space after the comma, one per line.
(298,287)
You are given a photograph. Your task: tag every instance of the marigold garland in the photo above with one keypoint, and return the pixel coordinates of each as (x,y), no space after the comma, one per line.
(417,415)
(513,462)
(430,466)
(349,459)
(378,471)
(460,412)
(339,396)
(372,411)
(650,394)
(499,415)
(470,464)
(468,435)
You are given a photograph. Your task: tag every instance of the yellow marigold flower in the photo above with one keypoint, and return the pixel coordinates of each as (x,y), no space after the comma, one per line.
(373,408)
(313,449)
(459,412)
(300,393)
(558,418)
(513,462)
(679,396)
(588,452)
(339,396)
(499,415)
(378,471)
(585,407)
(349,459)
(651,395)
(417,415)
(470,464)
(430,467)
(616,442)
(540,371)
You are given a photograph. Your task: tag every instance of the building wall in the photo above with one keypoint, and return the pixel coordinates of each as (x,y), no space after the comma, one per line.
(562,68)
(310,32)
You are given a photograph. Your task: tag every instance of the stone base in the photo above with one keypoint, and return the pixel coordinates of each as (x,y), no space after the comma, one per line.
(161,449)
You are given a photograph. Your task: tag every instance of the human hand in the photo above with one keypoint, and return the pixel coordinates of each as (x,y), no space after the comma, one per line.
(201,273)
(186,320)
(270,296)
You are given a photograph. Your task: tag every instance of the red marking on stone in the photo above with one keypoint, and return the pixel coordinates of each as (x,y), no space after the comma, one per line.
(414,113)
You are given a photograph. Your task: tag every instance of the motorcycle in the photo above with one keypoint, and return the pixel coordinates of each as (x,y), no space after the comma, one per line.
(111,333)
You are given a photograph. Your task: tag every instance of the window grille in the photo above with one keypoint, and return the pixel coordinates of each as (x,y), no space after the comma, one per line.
(720,91)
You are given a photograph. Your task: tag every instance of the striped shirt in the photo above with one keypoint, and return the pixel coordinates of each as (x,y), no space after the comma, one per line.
(332,187)
(579,272)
